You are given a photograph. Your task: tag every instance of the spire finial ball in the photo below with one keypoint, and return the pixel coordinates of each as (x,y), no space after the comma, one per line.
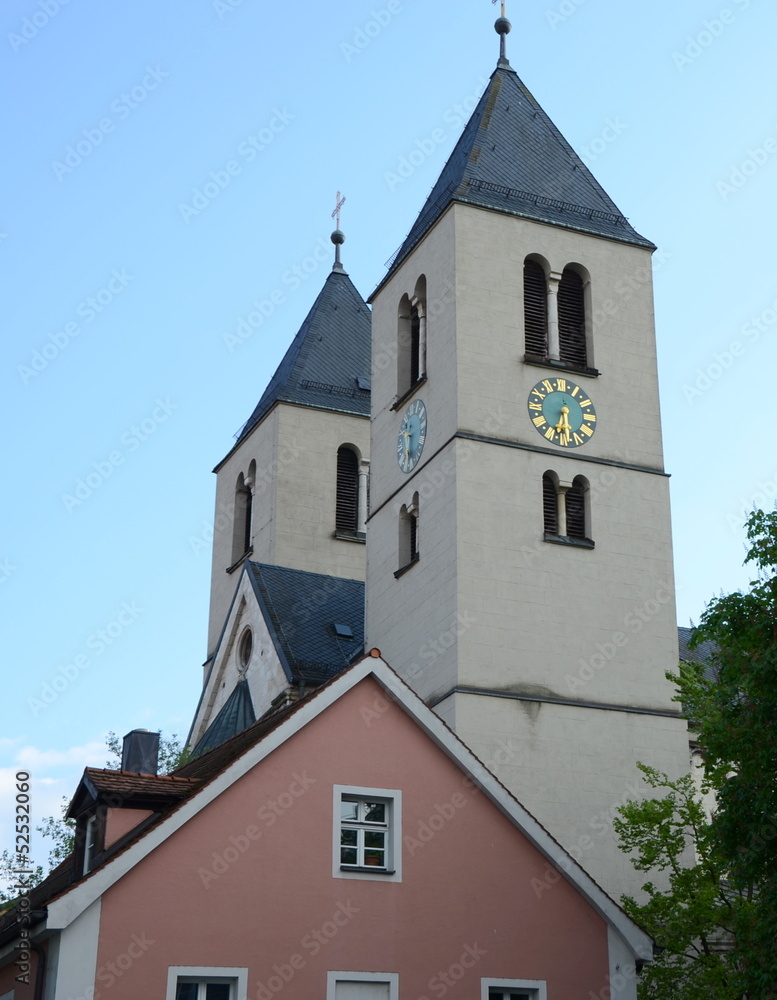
(502,26)
(337,238)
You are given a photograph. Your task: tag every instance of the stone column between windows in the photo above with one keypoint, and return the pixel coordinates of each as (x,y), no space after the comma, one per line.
(361,517)
(561,497)
(554,346)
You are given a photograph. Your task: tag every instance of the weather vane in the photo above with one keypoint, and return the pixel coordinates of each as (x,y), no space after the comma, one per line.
(338,206)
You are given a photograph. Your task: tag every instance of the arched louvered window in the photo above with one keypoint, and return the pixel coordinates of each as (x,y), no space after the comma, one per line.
(241,535)
(550,504)
(576,526)
(415,345)
(408,533)
(571,319)
(347,505)
(535,309)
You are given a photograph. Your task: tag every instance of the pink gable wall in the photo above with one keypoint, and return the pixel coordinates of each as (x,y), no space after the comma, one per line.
(121,821)
(466,891)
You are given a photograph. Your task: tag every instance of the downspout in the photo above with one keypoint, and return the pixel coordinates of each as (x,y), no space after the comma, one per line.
(40,969)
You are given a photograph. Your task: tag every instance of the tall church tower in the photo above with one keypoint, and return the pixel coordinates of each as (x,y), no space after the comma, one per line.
(519,559)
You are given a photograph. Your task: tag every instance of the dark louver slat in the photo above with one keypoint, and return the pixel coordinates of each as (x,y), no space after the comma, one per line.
(535,309)
(247,498)
(413,537)
(347,508)
(576,511)
(549,505)
(571,319)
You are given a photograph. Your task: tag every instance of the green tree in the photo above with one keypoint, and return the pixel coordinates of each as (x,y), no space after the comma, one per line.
(60,832)
(717,921)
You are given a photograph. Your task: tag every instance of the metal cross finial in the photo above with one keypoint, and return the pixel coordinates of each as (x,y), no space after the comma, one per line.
(503,6)
(338,206)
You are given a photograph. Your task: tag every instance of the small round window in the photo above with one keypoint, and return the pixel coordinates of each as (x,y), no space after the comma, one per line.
(246,648)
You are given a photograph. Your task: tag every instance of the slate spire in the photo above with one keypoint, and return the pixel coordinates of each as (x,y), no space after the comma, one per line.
(511,158)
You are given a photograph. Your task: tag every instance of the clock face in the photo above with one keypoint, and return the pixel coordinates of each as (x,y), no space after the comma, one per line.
(412,434)
(562,412)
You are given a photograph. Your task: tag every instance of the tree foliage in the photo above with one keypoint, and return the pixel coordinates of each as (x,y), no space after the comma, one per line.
(717,921)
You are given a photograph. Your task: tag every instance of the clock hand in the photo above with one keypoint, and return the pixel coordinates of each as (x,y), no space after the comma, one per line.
(563,426)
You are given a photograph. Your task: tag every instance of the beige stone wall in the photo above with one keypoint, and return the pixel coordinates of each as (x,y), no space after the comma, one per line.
(293,518)
(492,605)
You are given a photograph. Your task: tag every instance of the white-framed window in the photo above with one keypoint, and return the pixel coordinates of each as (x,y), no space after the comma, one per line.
(513,989)
(362,986)
(367,833)
(189,982)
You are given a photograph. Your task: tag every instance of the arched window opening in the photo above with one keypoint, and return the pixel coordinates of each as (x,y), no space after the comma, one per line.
(241,536)
(415,344)
(411,339)
(571,319)
(408,534)
(347,503)
(550,504)
(576,519)
(535,308)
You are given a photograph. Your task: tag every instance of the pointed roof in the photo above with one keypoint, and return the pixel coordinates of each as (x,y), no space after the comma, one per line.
(328,362)
(309,616)
(512,158)
(236,714)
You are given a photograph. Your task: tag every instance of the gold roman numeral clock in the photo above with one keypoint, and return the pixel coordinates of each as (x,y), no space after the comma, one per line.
(562,412)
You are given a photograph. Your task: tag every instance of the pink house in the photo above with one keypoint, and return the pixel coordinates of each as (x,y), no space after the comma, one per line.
(349,847)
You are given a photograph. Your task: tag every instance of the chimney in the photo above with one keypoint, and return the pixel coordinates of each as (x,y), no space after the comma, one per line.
(141,752)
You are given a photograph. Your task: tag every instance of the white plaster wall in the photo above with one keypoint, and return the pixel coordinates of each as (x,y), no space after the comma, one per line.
(77,965)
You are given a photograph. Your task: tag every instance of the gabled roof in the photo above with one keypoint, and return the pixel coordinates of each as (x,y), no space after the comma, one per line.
(237,714)
(512,158)
(301,610)
(328,362)
(221,768)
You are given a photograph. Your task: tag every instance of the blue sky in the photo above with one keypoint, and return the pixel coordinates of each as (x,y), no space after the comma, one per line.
(124,287)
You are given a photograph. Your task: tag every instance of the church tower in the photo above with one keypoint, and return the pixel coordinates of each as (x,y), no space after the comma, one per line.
(293,490)
(519,559)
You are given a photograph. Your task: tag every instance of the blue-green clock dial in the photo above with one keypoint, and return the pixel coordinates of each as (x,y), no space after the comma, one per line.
(562,412)
(412,435)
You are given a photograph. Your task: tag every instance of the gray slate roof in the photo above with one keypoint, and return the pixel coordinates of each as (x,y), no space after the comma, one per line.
(328,360)
(237,714)
(301,610)
(511,157)
(701,654)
